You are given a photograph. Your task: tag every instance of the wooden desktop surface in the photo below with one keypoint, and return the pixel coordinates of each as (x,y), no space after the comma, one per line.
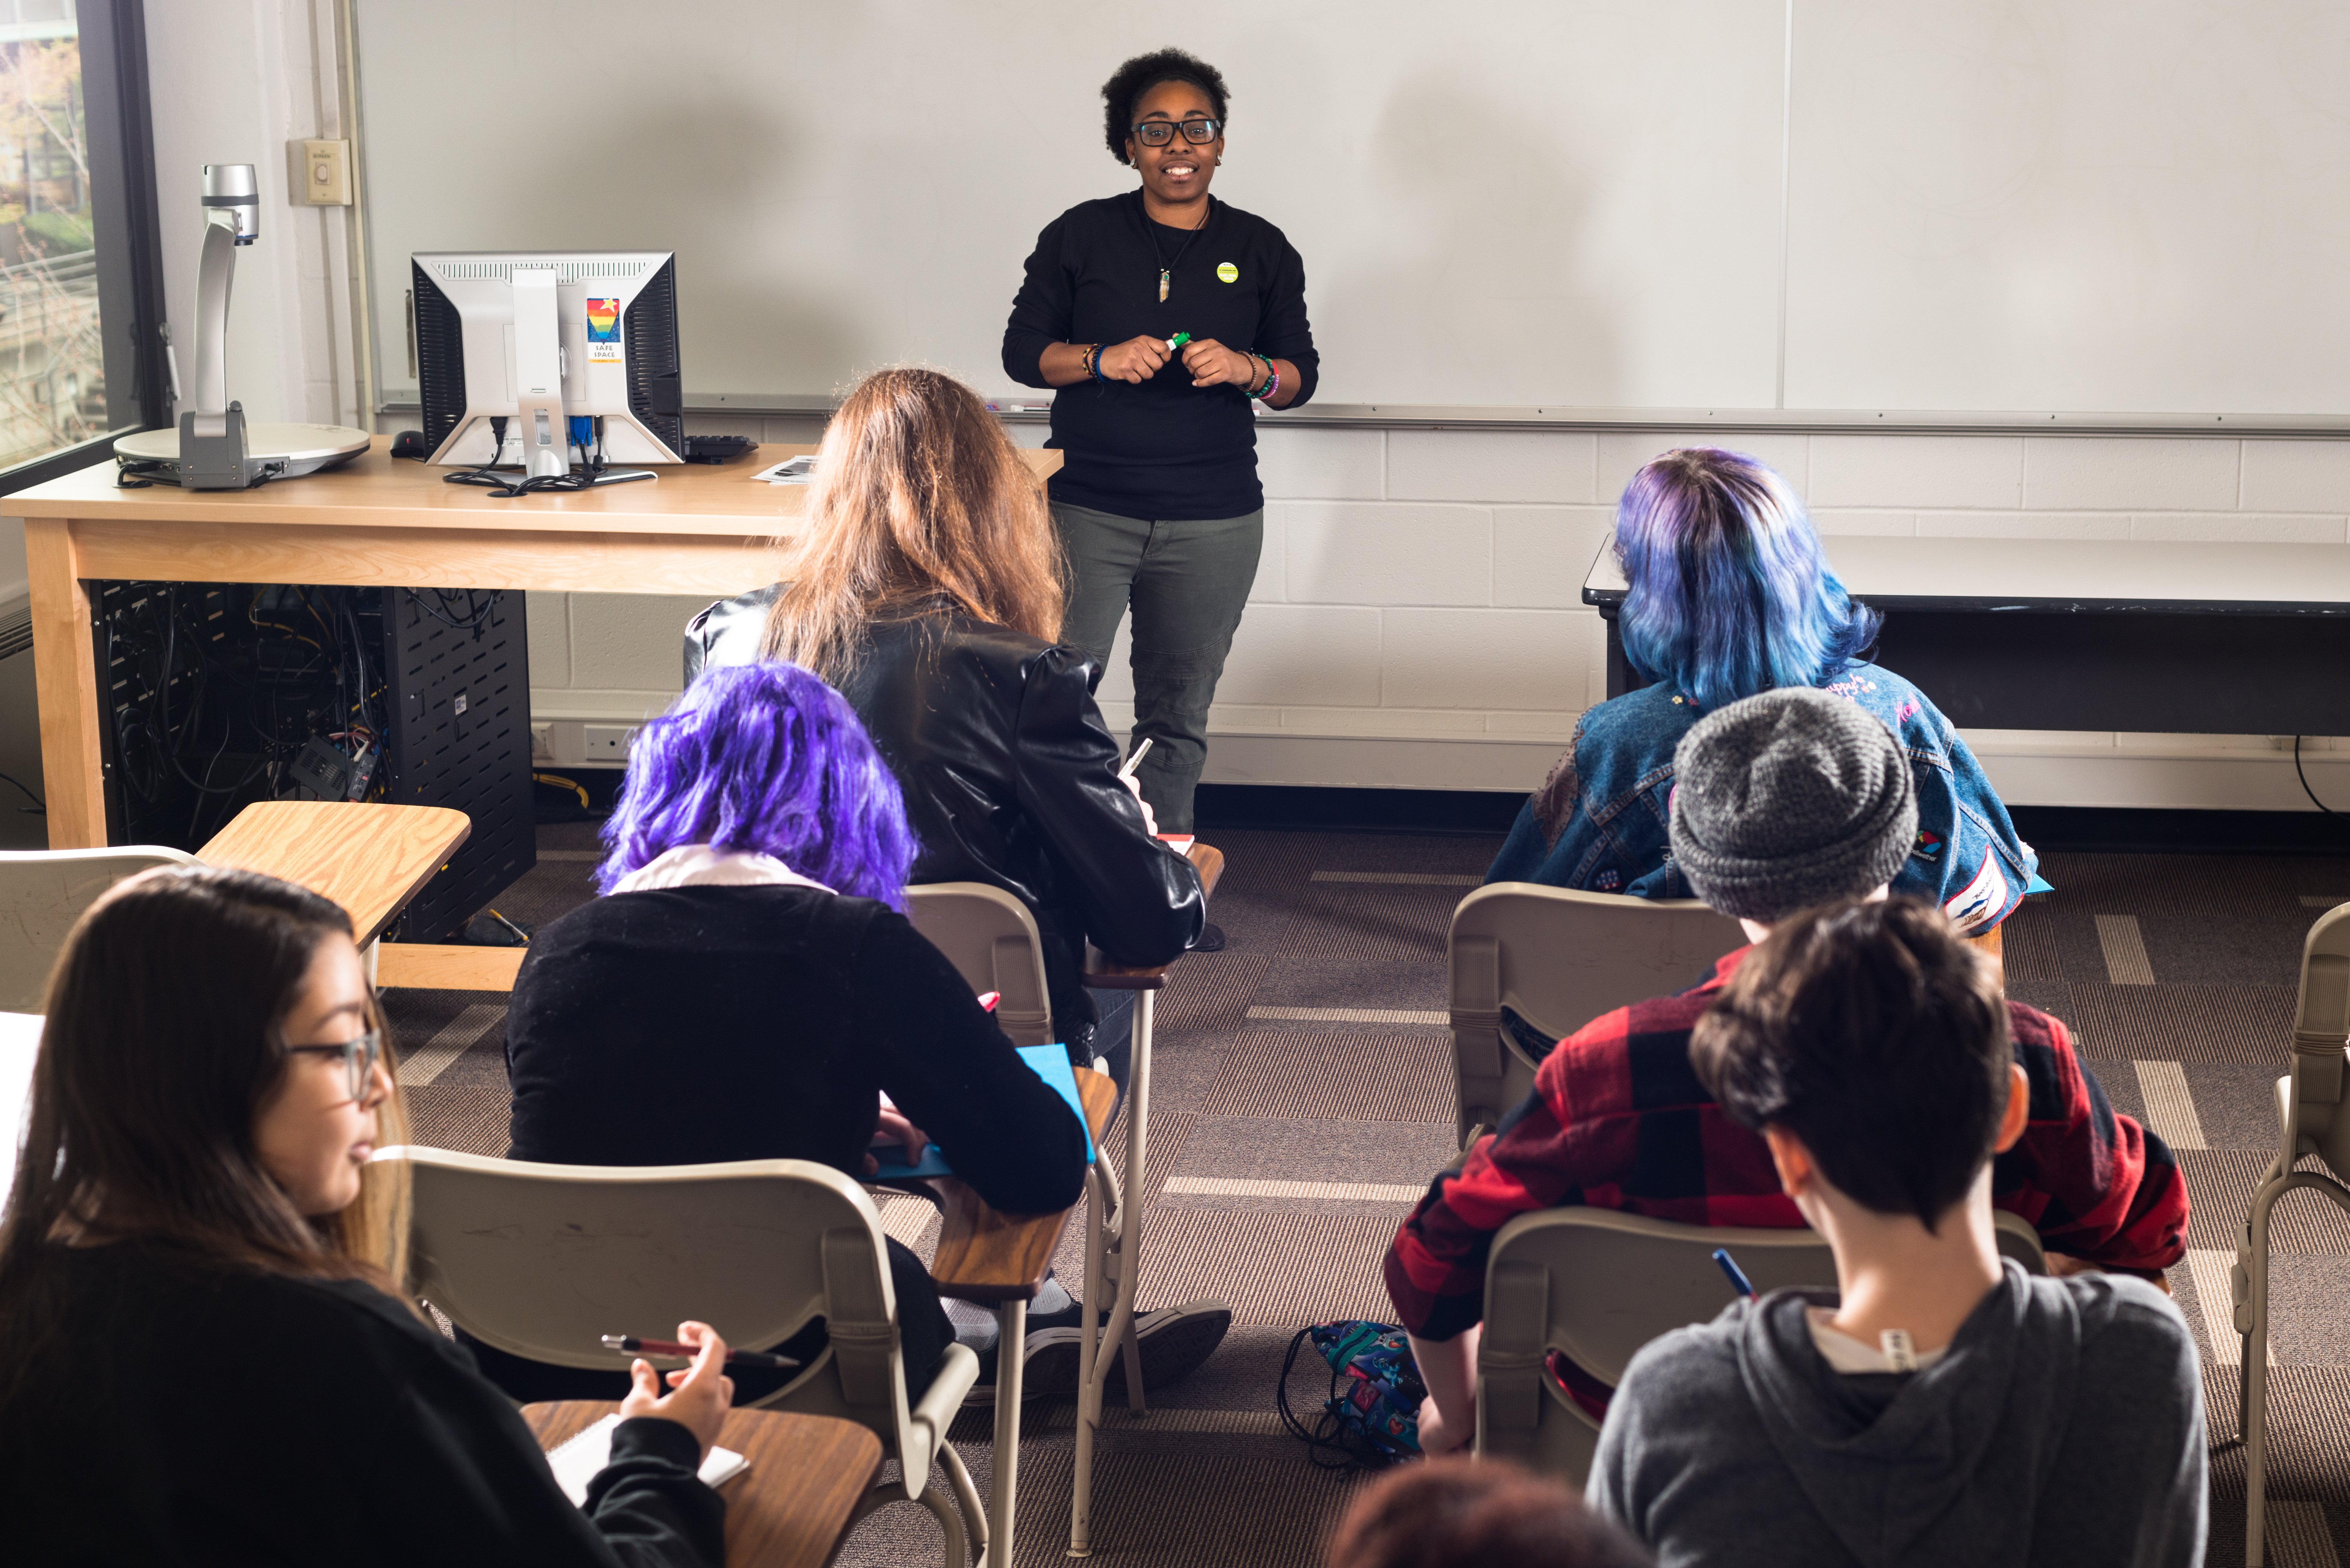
(793,1506)
(2107,576)
(984,1256)
(373,523)
(369,856)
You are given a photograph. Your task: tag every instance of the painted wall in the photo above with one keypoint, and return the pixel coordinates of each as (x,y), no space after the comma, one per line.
(1415,621)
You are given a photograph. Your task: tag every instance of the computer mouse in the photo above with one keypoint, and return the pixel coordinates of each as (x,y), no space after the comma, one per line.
(410,444)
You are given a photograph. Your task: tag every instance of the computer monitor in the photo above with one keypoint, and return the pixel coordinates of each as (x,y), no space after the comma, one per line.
(541,338)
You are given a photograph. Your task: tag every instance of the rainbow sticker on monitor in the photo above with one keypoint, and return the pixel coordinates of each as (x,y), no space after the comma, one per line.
(604,331)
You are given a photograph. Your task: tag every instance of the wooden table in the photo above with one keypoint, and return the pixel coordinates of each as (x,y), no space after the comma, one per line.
(1114,1223)
(369,856)
(2071,634)
(373,523)
(792,1507)
(984,1256)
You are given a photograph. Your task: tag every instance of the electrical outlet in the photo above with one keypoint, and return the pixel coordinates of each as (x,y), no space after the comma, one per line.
(607,742)
(542,743)
(320,173)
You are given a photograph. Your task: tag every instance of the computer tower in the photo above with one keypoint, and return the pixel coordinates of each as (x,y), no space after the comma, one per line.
(212,690)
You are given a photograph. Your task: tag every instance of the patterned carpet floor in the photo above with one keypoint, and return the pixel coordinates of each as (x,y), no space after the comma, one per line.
(1301,1096)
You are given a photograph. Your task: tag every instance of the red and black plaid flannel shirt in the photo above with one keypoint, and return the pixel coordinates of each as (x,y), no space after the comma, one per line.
(1618,1119)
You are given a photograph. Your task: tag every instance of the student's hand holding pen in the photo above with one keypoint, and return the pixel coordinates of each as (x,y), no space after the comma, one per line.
(912,1139)
(1134,786)
(698,1395)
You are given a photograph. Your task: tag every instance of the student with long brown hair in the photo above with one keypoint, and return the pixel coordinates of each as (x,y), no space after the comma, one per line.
(925,586)
(205,1359)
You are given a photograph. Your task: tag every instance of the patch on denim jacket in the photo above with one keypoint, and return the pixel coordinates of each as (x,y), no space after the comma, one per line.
(1930,845)
(1608,880)
(1980,902)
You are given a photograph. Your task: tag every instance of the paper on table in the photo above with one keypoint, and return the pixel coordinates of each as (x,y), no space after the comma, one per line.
(576,1460)
(791,470)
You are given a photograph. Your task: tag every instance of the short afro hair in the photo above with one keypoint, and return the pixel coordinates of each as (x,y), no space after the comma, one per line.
(1140,75)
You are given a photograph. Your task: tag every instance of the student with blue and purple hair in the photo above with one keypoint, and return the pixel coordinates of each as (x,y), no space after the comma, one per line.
(1728,594)
(748,987)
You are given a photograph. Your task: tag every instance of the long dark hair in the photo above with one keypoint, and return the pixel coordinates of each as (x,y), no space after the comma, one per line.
(165,1037)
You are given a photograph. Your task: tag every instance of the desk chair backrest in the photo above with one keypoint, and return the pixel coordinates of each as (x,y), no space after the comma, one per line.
(1560,958)
(2313,1092)
(41,893)
(543,1261)
(1597,1284)
(990,939)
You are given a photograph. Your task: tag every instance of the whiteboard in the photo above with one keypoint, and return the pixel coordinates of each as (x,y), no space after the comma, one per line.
(1603,204)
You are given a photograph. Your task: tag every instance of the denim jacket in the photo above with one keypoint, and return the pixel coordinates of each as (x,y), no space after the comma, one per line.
(1599,823)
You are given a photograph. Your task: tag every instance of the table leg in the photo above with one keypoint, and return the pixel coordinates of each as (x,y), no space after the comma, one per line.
(1093,1370)
(1012,1330)
(64,679)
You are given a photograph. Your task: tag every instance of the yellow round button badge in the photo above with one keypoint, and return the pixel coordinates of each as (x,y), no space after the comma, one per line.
(1228,272)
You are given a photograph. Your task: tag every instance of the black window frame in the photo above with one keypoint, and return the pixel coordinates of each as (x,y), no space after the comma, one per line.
(112,35)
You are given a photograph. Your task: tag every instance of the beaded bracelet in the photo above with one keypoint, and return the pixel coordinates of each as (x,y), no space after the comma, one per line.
(1272,382)
(1093,363)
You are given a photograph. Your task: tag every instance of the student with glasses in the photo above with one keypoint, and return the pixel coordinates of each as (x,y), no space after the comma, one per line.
(209,1358)
(1159,315)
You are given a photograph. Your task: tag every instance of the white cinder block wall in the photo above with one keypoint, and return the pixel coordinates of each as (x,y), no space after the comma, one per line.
(1416,621)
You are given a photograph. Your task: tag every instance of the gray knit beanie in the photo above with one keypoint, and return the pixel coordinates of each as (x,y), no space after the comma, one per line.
(1789,799)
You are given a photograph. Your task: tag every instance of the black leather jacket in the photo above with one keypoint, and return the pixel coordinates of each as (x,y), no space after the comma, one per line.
(1011,778)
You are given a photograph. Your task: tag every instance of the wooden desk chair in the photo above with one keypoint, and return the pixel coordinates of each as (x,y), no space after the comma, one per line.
(544,1259)
(1559,958)
(1599,1283)
(2310,1120)
(370,858)
(984,1256)
(793,1506)
(1114,1221)
(41,893)
(990,939)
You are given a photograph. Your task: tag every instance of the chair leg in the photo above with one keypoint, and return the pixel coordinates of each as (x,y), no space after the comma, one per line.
(950,1517)
(2253,1323)
(966,1494)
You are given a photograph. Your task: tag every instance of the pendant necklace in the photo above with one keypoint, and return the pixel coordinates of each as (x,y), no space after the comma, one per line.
(1167,268)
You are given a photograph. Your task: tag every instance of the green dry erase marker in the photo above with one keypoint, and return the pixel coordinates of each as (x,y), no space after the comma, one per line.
(1178,341)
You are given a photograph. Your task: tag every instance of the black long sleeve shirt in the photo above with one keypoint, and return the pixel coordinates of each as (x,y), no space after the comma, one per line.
(1163,448)
(680,1025)
(192,1415)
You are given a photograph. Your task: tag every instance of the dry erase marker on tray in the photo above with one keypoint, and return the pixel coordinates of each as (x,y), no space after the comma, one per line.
(630,1344)
(1738,1279)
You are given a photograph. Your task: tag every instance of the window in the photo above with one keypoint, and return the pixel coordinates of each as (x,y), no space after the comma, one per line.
(80,349)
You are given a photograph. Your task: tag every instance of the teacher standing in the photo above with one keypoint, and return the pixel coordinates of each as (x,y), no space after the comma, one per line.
(1157,501)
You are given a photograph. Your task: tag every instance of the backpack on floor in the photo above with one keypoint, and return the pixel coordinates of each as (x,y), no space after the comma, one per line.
(1371,1418)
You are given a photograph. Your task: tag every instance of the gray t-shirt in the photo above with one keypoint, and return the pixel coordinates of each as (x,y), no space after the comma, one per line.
(2063,1426)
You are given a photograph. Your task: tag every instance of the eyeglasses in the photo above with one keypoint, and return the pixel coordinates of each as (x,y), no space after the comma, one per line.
(1160,132)
(359,1058)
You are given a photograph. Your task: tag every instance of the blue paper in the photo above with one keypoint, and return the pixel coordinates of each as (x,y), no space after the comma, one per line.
(1050,1062)
(2039,884)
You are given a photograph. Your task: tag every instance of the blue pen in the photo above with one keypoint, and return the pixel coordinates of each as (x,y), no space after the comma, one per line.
(1738,1279)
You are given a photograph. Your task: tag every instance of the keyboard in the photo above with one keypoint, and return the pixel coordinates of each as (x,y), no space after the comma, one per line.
(716,449)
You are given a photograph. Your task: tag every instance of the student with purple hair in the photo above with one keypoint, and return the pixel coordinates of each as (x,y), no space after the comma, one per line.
(1730,594)
(748,987)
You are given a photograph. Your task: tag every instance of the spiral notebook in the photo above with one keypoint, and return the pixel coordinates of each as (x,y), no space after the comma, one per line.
(577,1459)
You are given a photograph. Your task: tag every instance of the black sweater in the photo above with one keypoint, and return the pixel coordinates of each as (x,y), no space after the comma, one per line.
(687,1024)
(194,1416)
(1165,449)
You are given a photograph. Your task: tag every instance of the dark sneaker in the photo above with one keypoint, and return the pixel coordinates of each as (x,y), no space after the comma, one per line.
(1173,1342)
(1212,938)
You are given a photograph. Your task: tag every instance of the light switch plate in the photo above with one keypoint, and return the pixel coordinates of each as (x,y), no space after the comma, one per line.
(320,173)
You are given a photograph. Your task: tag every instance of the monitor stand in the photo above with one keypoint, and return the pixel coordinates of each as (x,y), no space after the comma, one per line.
(578,477)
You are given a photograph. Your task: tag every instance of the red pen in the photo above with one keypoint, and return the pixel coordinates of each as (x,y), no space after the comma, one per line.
(630,1344)
(988,998)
